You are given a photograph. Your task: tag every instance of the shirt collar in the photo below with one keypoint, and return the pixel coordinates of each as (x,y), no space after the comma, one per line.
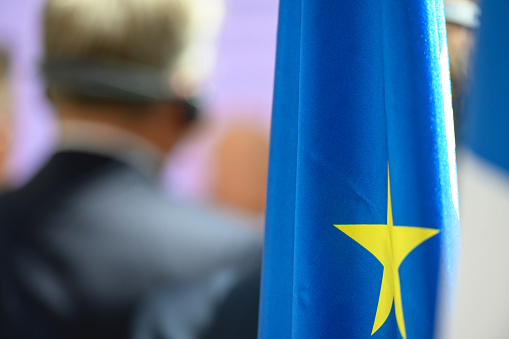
(111,141)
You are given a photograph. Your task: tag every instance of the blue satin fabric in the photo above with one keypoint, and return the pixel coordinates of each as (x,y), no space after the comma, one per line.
(360,87)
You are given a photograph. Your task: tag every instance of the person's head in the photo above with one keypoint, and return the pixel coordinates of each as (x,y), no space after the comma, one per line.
(5,112)
(241,160)
(462,18)
(112,61)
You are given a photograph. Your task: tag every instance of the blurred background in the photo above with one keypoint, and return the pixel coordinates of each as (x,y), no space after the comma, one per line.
(229,145)
(222,163)
(224,159)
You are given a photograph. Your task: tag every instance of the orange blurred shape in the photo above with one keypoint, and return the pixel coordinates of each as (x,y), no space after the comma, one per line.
(241,169)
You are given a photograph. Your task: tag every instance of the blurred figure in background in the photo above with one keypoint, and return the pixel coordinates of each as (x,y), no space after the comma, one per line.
(91,237)
(462,17)
(5,114)
(241,169)
(240,180)
(483,175)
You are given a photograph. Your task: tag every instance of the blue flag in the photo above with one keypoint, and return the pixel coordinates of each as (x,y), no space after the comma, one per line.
(487,115)
(362,214)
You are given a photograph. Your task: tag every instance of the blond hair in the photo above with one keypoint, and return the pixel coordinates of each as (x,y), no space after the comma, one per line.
(148,32)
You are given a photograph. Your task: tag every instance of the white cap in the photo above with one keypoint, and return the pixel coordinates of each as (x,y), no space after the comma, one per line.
(463,13)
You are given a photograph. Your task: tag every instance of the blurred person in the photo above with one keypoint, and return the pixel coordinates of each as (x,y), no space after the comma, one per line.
(5,109)
(91,237)
(462,18)
(482,303)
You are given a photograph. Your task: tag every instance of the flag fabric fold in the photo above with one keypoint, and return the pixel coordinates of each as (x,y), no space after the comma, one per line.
(362,218)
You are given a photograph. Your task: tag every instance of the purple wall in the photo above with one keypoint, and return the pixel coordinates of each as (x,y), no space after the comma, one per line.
(33,127)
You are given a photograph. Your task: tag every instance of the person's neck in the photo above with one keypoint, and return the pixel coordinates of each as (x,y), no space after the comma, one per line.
(110,140)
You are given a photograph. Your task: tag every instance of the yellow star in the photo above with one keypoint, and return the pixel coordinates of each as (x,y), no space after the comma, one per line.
(390,245)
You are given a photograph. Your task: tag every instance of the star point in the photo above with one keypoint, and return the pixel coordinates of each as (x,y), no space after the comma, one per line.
(390,245)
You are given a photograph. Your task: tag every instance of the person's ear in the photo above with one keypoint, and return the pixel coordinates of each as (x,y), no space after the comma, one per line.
(171,124)
(177,117)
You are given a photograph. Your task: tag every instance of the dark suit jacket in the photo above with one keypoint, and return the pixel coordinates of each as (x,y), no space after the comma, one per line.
(86,241)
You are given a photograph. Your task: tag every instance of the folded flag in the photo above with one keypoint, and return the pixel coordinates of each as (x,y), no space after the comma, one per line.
(362,225)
